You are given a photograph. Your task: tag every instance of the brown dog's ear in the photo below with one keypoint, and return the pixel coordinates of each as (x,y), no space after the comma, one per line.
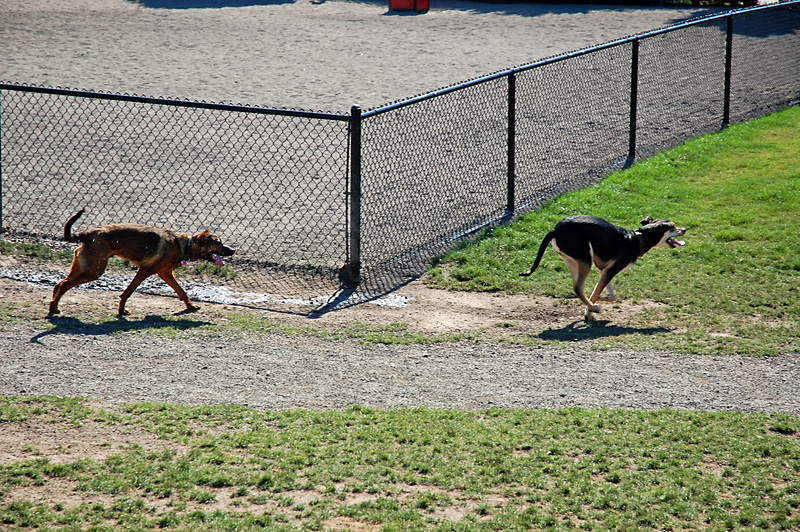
(648,220)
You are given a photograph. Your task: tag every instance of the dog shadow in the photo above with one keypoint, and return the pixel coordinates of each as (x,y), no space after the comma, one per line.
(581,330)
(75,326)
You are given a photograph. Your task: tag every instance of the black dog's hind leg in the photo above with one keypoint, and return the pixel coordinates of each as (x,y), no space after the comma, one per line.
(579,268)
(606,275)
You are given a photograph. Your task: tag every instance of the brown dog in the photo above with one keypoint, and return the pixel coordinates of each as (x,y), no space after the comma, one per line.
(153,250)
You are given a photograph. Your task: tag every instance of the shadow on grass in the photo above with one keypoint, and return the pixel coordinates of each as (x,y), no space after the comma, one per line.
(581,330)
(70,325)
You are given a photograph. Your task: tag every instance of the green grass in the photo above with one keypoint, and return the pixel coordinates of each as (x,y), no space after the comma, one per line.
(35,252)
(232,468)
(734,287)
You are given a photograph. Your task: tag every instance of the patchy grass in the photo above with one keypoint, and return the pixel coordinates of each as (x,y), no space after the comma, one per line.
(232,468)
(734,287)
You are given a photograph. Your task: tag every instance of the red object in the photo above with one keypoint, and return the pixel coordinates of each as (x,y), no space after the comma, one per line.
(420,6)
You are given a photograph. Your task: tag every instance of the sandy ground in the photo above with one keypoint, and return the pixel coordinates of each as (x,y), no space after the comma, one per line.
(131,360)
(316,55)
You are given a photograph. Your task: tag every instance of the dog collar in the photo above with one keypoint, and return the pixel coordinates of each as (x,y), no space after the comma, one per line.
(188,254)
(642,250)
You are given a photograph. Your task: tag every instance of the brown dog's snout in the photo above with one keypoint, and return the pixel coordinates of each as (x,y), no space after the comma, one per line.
(226,251)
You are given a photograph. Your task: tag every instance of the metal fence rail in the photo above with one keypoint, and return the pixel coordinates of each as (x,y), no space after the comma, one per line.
(313,200)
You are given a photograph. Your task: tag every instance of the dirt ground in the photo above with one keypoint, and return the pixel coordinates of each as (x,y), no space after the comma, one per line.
(131,359)
(87,351)
(419,308)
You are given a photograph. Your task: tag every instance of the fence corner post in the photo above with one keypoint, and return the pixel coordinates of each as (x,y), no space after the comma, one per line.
(350,273)
(512,146)
(2,229)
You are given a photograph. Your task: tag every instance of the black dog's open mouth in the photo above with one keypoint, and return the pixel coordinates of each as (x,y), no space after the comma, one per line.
(675,243)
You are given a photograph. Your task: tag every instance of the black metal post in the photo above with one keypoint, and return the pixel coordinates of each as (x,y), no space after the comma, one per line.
(726,106)
(350,274)
(512,144)
(634,100)
(1,162)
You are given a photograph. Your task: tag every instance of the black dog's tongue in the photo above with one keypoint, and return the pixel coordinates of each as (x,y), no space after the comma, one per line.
(217,260)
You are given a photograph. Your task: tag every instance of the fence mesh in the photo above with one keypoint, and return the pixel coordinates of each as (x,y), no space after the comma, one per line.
(422,164)
(433,169)
(766,62)
(272,186)
(681,81)
(572,123)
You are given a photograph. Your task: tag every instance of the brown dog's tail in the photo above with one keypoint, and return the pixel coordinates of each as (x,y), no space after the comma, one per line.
(547,238)
(68,227)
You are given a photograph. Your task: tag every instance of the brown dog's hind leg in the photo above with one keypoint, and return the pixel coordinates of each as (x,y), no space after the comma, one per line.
(82,271)
(169,278)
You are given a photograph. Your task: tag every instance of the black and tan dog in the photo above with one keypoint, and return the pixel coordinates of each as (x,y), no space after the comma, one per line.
(581,240)
(153,250)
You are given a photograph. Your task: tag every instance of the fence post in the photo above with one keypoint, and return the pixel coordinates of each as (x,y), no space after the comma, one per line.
(350,273)
(634,100)
(512,144)
(726,106)
(2,230)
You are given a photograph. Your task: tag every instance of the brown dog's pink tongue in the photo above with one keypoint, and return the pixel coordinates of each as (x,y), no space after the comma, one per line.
(217,260)
(680,242)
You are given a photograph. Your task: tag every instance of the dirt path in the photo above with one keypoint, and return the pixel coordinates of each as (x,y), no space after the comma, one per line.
(280,371)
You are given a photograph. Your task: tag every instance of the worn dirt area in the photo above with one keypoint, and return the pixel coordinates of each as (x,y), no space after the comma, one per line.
(415,306)
(162,353)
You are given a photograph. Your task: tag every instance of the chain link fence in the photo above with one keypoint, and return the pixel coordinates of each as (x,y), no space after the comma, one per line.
(441,166)
(313,201)
(272,184)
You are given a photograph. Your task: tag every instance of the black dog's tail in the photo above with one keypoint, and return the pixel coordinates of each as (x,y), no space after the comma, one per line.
(547,238)
(68,227)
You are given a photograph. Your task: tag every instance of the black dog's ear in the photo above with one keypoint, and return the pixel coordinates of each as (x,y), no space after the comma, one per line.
(648,220)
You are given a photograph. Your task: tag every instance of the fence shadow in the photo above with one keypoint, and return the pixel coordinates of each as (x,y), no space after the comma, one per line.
(581,330)
(74,326)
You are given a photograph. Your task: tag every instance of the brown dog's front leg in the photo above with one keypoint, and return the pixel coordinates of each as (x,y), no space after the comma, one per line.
(169,278)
